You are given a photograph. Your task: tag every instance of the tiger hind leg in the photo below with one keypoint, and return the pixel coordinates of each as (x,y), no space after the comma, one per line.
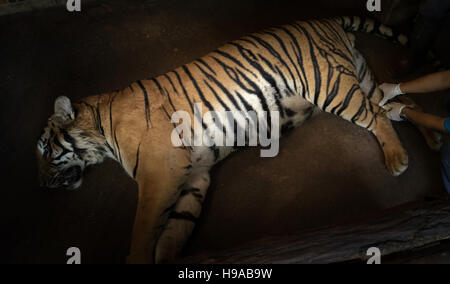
(369,86)
(185,213)
(355,107)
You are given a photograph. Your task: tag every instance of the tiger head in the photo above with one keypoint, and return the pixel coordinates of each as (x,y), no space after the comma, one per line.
(69,144)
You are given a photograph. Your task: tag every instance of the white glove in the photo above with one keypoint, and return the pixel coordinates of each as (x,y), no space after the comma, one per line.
(390,91)
(394,111)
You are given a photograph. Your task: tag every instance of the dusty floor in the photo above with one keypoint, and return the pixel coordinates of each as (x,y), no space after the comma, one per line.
(328,172)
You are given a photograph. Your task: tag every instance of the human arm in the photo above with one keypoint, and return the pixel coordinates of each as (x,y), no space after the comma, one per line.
(401,112)
(430,83)
(426,120)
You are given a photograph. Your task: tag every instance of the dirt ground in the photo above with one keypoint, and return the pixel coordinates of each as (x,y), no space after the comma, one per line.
(328,172)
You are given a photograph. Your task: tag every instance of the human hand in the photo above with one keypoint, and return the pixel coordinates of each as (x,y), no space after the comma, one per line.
(394,111)
(390,91)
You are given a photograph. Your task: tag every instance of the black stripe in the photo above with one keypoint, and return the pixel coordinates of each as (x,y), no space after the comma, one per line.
(171,83)
(361,109)
(374,119)
(329,42)
(147,105)
(222,87)
(298,53)
(277,55)
(363,72)
(236,61)
(199,91)
(347,100)
(137,162)
(217,121)
(111,150)
(372,90)
(249,109)
(219,99)
(158,85)
(249,41)
(184,90)
(283,46)
(163,91)
(332,32)
(201,61)
(317,73)
(170,100)
(246,54)
(337,34)
(280,58)
(232,74)
(166,113)
(332,95)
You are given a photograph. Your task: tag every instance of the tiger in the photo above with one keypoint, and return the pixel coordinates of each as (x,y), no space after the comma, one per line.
(297,70)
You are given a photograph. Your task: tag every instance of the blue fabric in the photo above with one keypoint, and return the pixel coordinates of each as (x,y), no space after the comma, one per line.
(447,124)
(445,163)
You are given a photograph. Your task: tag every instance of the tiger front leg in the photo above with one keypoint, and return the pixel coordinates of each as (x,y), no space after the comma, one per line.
(159,188)
(183,217)
(154,200)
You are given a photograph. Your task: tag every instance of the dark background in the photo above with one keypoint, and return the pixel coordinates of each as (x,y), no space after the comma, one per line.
(328,172)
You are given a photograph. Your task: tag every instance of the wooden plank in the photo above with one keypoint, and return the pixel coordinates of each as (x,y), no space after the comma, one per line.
(392,233)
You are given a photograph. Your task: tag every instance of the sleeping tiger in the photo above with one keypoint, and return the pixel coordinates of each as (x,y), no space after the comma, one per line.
(296,70)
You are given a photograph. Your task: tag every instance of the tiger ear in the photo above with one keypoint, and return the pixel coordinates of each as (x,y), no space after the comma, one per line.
(64,112)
